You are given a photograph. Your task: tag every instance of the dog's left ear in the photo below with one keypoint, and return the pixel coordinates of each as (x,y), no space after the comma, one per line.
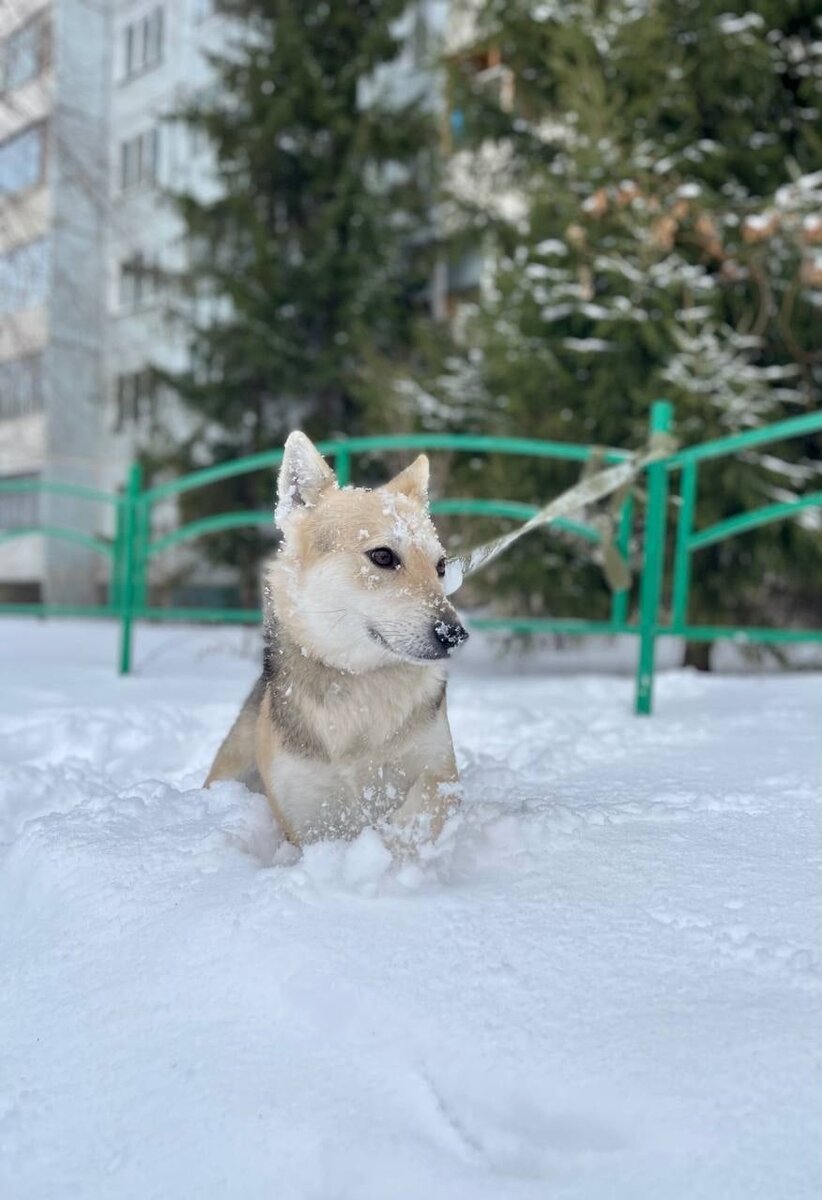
(304,474)
(413,481)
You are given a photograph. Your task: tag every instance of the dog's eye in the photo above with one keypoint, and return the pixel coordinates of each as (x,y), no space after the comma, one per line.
(441,568)
(383,557)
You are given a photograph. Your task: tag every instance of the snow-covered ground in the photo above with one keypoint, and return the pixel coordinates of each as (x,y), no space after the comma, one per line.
(606,982)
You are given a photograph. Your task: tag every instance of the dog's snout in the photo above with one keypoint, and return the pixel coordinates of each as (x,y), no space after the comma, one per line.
(450,635)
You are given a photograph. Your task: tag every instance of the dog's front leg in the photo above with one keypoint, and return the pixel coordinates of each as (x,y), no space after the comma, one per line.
(435,792)
(431,800)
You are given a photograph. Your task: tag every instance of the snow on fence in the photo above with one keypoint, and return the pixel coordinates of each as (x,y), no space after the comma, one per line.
(135,545)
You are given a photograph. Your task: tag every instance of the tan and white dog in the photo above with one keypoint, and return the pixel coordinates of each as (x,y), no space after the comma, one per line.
(347,726)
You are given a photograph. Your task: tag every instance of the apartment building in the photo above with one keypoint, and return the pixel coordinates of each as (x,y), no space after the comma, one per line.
(53,174)
(86,240)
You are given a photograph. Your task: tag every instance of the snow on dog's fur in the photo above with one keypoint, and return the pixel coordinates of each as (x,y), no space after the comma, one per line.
(347,726)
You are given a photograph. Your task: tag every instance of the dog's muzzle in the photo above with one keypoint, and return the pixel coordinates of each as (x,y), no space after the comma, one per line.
(449,636)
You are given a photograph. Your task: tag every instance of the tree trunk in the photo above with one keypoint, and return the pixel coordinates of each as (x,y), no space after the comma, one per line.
(698,654)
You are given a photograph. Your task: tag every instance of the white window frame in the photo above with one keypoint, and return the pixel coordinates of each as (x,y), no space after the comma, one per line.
(21,387)
(144,43)
(26,269)
(140,159)
(19,509)
(140,282)
(38,131)
(135,399)
(37,27)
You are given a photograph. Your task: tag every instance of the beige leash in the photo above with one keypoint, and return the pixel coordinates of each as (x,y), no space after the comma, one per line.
(587,491)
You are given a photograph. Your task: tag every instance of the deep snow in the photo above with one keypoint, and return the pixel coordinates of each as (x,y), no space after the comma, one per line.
(605,983)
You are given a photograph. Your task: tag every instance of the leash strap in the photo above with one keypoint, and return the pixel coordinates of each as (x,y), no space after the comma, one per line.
(589,489)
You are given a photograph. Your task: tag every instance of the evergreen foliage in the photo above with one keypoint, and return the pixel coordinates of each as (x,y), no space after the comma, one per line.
(656,209)
(309,271)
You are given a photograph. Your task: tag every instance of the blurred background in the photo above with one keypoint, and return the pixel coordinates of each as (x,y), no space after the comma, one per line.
(224,219)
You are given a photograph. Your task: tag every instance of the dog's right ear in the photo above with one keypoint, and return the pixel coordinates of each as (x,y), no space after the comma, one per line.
(304,475)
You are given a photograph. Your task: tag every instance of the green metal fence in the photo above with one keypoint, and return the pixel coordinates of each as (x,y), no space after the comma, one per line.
(135,544)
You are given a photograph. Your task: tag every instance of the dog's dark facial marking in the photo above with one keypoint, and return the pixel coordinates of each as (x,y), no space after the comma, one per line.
(295,735)
(271,651)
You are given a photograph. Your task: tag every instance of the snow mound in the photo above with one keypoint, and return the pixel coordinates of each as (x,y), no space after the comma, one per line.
(604,981)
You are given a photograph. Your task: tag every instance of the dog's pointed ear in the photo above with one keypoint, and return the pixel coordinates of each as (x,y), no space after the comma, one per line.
(413,481)
(304,475)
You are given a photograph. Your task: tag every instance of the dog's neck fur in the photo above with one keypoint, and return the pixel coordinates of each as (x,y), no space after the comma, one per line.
(357,712)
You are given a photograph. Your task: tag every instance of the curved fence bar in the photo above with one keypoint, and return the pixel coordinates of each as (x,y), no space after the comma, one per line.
(574,626)
(216,524)
(753,520)
(37,608)
(509,509)
(76,490)
(466,443)
(780,431)
(210,616)
(743,635)
(59,534)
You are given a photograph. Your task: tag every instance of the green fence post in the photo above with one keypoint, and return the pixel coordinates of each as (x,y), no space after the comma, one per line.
(342,466)
(115,586)
(142,518)
(682,550)
(653,563)
(131,501)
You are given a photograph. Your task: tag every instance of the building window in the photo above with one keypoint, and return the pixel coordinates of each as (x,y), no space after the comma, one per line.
(139,159)
(18,509)
(135,398)
(24,276)
(23,160)
(21,386)
(24,54)
(140,282)
(143,48)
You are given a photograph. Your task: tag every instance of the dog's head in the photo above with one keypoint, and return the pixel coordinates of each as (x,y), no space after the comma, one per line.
(360,572)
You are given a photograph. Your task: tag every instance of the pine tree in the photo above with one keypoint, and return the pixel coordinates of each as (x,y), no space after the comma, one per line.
(309,273)
(665,162)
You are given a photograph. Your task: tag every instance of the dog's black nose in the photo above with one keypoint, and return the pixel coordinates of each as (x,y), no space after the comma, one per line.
(449,636)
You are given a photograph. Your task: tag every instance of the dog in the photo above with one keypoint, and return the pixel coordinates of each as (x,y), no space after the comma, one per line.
(347,726)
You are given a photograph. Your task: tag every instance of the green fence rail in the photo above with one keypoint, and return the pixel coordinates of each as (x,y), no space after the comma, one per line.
(135,545)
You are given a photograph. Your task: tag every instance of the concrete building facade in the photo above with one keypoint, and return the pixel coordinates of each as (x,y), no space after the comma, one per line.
(52,176)
(87,152)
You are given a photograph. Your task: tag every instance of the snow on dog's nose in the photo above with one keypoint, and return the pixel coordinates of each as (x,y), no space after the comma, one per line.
(450,635)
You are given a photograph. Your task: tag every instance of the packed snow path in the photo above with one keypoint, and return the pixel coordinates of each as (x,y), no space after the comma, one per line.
(605,983)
